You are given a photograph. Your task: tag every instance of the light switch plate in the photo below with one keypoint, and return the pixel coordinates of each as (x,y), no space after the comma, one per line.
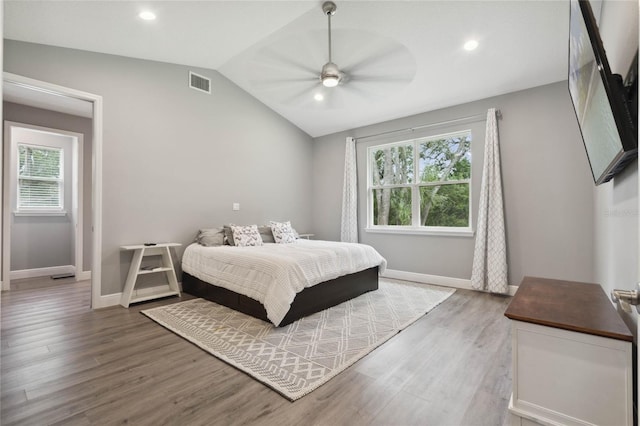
(236,206)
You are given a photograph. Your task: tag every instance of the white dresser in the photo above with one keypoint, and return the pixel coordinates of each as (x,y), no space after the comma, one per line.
(572,356)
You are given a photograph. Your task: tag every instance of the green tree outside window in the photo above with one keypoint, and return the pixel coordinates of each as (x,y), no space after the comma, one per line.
(424,182)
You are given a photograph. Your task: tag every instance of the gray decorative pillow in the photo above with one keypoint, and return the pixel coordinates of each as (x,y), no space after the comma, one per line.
(282,232)
(210,237)
(266,234)
(228,235)
(245,236)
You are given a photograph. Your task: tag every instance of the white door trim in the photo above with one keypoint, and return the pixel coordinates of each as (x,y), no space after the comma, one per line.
(96,182)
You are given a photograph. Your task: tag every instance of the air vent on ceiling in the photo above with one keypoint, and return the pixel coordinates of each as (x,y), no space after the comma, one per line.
(199,82)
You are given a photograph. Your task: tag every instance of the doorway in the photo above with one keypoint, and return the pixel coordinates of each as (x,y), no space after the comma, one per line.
(60,95)
(46,192)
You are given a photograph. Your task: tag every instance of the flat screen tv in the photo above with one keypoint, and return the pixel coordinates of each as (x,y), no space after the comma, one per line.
(602,101)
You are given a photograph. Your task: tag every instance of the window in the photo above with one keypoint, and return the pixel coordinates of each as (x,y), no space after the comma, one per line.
(40,179)
(421,185)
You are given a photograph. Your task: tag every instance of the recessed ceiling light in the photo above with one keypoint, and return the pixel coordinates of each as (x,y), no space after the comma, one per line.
(471,45)
(318,97)
(147,15)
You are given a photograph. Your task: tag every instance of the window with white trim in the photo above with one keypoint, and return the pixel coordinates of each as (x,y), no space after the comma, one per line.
(421,185)
(40,179)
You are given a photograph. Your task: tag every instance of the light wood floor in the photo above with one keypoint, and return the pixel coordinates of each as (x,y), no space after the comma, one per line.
(62,363)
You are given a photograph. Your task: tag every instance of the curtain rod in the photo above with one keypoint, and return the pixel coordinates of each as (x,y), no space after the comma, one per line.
(425,126)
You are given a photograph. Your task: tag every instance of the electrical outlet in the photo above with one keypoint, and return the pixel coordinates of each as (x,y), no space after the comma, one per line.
(236,206)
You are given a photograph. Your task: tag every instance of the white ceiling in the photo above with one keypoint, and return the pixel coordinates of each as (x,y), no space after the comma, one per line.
(401,57)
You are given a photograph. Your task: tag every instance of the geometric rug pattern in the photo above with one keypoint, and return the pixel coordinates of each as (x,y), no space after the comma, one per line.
(298,358)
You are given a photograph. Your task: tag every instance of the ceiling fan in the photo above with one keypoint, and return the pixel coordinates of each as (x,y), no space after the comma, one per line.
(372,66)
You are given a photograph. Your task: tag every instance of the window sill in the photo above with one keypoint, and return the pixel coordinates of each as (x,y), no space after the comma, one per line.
(441,232)
(39,213)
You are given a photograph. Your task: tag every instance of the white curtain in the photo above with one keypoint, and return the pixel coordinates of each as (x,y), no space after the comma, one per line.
(349,225)
(489,271)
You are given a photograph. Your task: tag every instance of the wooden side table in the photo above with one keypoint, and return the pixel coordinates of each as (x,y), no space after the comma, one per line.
(139,252)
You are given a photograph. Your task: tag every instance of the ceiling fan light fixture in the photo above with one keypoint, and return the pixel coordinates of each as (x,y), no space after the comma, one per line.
(147,15)
(330,75)
(330,81)
(471,45)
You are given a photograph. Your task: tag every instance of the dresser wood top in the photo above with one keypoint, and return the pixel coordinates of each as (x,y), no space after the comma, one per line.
(568,305)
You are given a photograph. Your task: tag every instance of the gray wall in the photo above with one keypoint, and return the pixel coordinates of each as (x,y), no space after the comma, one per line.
(548,191)
(175,159)
(616,202)
(45,118)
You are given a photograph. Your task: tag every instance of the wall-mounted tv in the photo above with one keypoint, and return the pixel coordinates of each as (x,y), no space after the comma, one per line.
(601,99)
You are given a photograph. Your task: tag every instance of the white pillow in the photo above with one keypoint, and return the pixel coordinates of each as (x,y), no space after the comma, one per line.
(244,236)
(282,232)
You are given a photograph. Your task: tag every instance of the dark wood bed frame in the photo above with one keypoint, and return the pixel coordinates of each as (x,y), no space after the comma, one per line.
(308,301)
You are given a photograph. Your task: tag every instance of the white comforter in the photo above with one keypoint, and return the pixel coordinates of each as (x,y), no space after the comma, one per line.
(273,273)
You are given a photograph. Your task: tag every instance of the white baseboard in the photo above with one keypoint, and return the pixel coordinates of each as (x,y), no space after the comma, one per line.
(42,272)
(113,299)
(84,275)
(107,300)
(436,280)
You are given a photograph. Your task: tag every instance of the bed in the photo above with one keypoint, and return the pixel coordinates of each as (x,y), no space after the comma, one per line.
(281,283)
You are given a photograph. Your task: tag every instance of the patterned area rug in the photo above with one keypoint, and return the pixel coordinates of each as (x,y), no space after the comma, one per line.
(298,358)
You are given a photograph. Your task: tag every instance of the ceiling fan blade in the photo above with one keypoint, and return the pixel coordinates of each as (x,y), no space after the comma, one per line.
(387,59)
(355,90)
(373,90)
(280,83)
(280,77)
(297,97)
(380,79)
(348,95)
(273,59)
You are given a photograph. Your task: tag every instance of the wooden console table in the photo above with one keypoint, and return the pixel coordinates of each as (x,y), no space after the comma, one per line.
(572,356)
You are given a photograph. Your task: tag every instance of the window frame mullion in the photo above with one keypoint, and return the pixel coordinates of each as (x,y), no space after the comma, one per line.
(415,189)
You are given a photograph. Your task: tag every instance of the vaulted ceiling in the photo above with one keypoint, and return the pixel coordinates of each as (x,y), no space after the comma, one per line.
(399,57)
